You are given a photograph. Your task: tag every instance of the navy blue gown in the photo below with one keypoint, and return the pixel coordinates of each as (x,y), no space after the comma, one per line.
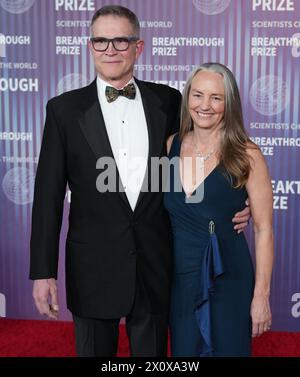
(213,277)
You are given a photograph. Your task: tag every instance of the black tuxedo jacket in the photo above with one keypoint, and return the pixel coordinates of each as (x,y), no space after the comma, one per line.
(107,242)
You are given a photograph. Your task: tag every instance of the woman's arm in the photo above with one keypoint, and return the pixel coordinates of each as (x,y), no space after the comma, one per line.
(261,203)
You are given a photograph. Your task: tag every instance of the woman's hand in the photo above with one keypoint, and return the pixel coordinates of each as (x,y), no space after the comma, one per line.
(261,315)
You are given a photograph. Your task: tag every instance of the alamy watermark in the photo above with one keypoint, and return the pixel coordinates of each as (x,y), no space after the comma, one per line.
(160,175)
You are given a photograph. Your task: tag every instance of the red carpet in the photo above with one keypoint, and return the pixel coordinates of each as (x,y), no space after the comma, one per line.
(50,338)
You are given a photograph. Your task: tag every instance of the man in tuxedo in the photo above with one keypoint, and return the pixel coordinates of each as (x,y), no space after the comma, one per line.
(118,247)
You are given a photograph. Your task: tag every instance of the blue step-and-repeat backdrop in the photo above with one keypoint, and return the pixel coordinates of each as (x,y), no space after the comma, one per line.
(43,52)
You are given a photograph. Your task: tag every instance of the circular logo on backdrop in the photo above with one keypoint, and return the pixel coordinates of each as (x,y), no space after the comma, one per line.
(16,6)
(269,95)
(18,184)
(211,7)
(70,82)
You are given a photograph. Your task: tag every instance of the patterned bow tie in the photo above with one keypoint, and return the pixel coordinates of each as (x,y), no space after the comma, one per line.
(112,94)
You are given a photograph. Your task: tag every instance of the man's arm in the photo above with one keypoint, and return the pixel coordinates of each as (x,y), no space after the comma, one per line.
(47,211)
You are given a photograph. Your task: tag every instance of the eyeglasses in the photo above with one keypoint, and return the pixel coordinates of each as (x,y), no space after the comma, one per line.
(120,43)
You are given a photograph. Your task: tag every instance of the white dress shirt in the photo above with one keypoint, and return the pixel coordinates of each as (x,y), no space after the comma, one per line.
(128,136)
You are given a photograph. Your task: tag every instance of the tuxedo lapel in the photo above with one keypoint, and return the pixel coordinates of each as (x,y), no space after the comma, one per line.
(94,130)
(155,119)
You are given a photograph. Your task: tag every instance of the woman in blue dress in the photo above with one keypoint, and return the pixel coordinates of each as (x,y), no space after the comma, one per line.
(218,302)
